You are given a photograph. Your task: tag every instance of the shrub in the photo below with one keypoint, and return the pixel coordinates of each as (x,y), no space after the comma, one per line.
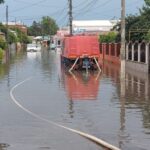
(147,37)
(2,43)
(1,54)
(12,38)
(111,37)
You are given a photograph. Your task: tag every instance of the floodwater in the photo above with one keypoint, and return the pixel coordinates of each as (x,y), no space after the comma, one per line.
(98,104)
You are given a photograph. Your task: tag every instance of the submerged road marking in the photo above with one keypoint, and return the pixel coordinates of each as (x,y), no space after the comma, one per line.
(88,136)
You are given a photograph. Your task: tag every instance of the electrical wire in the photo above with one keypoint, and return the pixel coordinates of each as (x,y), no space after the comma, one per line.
(88,7)
(116,9)
(80,4)
(56,13)
(85,11)
(22,1)
(28,6)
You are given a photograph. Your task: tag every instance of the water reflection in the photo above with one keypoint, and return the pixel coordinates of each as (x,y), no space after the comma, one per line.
(14,59)
(134,100)
(119,112)
(33,55)
(80,85)
(71,108)
(138,94)
(3,146)
(4,69)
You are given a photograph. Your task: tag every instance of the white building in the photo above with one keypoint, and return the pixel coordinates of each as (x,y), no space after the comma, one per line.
(93,25)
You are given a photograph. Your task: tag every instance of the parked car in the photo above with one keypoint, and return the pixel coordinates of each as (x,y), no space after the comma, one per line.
(33,47)
(52,46)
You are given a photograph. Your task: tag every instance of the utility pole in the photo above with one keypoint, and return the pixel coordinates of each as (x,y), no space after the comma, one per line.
(122,52)
(70,17)
(7,37)
(7,24)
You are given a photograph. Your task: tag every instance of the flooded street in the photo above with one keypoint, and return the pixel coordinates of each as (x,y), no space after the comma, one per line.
(44,93)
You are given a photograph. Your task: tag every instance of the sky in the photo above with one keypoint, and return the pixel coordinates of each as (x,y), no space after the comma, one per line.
(28,11)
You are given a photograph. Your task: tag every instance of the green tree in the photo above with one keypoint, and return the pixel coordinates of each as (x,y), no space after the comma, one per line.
(111,37)
(1,1)
(35,29)
(22,37)
(12,38)
(138,23)
(147,37)
(2,43)
(2,28)
(49,26)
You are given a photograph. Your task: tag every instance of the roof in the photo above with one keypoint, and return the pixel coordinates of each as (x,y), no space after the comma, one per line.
(13,23)
(1,33)
(94,23)
(38,38)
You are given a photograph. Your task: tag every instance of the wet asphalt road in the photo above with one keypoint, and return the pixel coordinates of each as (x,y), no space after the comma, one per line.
(98,104)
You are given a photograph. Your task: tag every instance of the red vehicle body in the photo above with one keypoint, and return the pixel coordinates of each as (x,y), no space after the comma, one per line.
(83,47)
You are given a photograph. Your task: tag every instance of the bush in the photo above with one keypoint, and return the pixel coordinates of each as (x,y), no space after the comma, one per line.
(1,54)
(111,37)
(2,43)
(22,37)
(147,37)
(12,38)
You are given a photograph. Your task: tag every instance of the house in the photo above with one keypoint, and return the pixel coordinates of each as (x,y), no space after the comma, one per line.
(2,34)
(93,26)
(17,25)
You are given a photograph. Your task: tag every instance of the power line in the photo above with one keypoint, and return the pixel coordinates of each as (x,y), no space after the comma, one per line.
(85,11)
(80,4)
(58,12)
(116,9)
(28,6)
(89,4)
(22,1)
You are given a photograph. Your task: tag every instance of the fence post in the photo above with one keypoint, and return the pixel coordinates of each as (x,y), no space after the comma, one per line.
(139,52)
(127,51)
(133,52)
(147,54)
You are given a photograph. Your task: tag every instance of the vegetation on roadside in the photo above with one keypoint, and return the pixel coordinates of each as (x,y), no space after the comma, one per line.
(111,37)
(14,35)
(1,1)
(1,54)
(47,26)
(22,37)
(2,43)
(138,26)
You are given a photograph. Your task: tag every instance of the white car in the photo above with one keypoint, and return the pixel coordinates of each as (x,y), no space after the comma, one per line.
(33,47)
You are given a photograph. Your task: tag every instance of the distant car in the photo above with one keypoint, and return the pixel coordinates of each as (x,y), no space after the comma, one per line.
(33,47)
(52,46)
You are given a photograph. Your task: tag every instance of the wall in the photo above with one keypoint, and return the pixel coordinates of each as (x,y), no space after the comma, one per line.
(110,52)
(138,56)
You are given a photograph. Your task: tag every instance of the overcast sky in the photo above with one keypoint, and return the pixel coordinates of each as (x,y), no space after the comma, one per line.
(29,10)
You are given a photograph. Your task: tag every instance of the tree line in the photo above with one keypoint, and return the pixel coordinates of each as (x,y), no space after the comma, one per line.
(47,26)
(137,27)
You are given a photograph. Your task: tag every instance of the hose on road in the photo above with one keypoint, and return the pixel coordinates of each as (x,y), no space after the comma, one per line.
(88,136)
